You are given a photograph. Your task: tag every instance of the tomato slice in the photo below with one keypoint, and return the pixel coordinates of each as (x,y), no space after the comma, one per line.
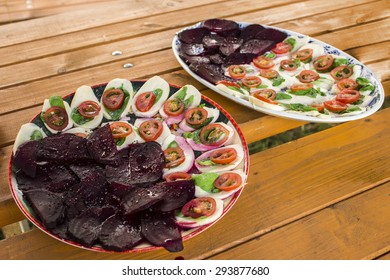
(228,84)
(341,72)
(196,116)
(281,48)
(299,87)
(323,62)
(176,176)
(251,81)
(120,130)
(263,62)
(213,134)
(223,156)
(308,76)
(266,95)
(319,107)
(237,71)
(174,107)
(150,130)
(335,106)
(145,101)
(173,157)
(348,96)
(228,181)
(303,55)
(289,64)
(199,207)
(113,99)
(56,118)
(347,84)
(89,109)
(269,73)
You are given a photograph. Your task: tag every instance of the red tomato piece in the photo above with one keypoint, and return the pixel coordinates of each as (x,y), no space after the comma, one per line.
(89,109)
(335,106)
(199,207)
(266,95)
(228,84)
(145,101)
(263,62)
(288,64)
(120,129)
(251,81)
(347,84)
(174,107)
(308,76)
(113,99)
(213,134)
(299,87)
(176,176)
(150,130)
(228,181)
(237,71)
(303,55)
(196,116)
(323,63)
(341,72)
(56,118)
(281,48)
(269,73)
(223,156)
(173,157)
(348,96)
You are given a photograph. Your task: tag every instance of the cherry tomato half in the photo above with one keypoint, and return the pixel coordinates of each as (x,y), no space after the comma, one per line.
(348,96)
(251,81)
(176,176)
(145,101)
(323,62)
(289,64)
(269,73)
(298,87)
(266,95)
(150,130)
(308,76)
(237,71)
(303,55)
(341,72)
(319,107)
(174,107)
(196,116)
(281,48)
(199,207)
(213,134)
(335,106)
(228,181)
(263,62)
(120,129)
(56,118)
(173,157)
(89,109)
(113,99)
(223,156)
(347,84)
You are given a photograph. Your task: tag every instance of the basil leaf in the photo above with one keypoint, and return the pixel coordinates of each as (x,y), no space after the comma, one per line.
(281,95)
(291,41)
(350,109)
(187,102)
(206,122)
(299,107)
(78,118)
(56,101)
(116,114)
(36,135)
(181,94)
(277,81)
(173,144)
(158,92)
(270,55)
(364,84)
(236,89)
(119,141)
(339,61)
(206,162)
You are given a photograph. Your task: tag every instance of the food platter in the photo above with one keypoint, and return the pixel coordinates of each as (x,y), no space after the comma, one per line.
(116,204)
(197,56)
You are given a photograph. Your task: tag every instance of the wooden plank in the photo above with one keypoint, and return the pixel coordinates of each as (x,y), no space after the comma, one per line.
(351,229)
(384,257)
(282,188)
(372,53)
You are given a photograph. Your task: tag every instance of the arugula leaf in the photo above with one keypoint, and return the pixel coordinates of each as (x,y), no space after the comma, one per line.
(56,101)
(281,95)
(158,92)
(299,107)
(277,81)
(36,135)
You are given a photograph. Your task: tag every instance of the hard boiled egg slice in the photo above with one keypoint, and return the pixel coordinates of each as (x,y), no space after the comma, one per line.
(83,94)
(160,89)
(55,101)
(28,132)
(173,141)
(164,134)
(127,88)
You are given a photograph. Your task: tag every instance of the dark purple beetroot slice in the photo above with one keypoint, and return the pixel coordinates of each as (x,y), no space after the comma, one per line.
(249,32)
(178,194)
(102,147)
(48,206)
(217,58)
(92,188)
(142,198)
(61,179)
(160,229)
(194,59)
(210,72)
(223,27)
(193,36)
(146,161)
(74,206)
(63,148)
(120,190)
(230,45)
(239,58)
(84,229)
(212,41)
(82,170)
(271,34)
(26,157)
(25,182)
(118,235)
(192,49)
(256,46)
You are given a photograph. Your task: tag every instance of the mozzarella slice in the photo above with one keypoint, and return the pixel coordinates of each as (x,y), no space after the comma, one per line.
(259,103)
(132,138)
(164,134)
(118,84)
(25,133)
(46,106)
(240,93)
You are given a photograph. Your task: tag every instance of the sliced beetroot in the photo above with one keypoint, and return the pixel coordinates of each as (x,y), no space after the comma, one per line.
(63,148)
(26,157)
(271,34)
(210,72)
(74,206)
(230,45)
(102,147)
(48,206)
(25,182)
(256,46)
(217,58)
(92,188)
(140,199)
(212,41)
(250,31)
(193,36)
(146,162)
(82,170)
(178,194)
(117,235)
(222,27)
(239,58)
(160,229)
(194,59)
(61,179)
(192,49)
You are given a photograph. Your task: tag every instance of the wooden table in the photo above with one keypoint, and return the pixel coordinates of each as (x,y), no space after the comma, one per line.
(322,196)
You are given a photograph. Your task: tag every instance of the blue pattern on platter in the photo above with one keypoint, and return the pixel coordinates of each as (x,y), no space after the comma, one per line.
(372,107)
